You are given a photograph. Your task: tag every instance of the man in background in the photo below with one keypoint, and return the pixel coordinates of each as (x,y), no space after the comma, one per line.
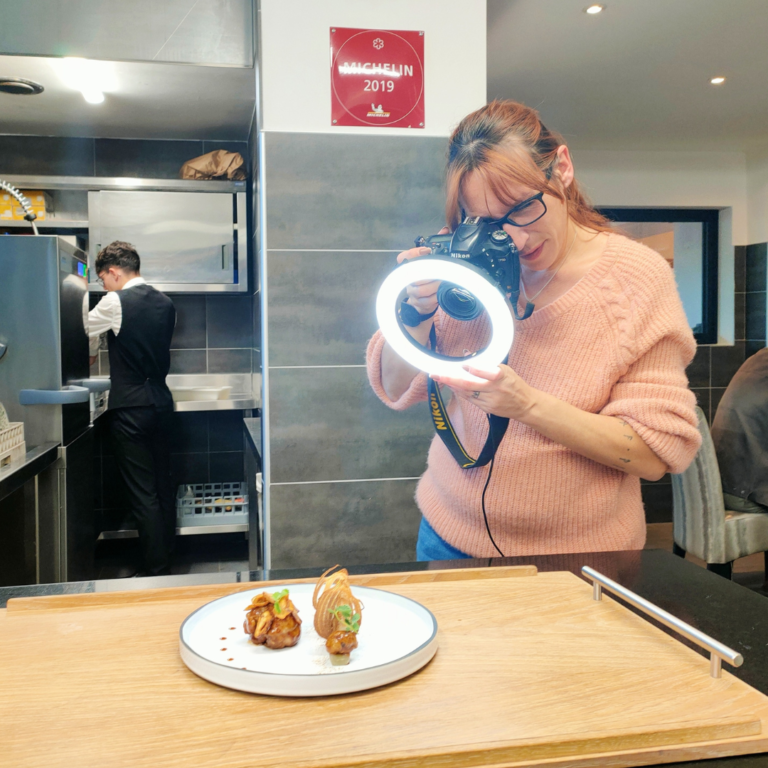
(139,323)
(740,435)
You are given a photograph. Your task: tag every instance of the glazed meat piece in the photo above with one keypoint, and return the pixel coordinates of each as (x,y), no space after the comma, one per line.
(259,618)
(341,642)
(284,632)
(273,620)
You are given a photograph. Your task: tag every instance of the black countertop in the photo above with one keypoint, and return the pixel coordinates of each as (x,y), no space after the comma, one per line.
(723,609)
(36,460)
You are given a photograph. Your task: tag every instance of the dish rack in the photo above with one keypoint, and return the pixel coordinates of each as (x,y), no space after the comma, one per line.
(12,445)
(211,504)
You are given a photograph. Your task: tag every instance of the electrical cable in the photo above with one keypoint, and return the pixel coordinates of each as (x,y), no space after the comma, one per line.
(482,499)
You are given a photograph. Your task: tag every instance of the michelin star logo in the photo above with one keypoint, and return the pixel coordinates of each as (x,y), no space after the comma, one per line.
(377,111)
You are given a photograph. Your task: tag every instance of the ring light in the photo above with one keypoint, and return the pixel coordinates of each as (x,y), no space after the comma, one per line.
(502,327)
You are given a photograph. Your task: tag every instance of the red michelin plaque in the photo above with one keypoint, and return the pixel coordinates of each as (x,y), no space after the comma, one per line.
(377,78)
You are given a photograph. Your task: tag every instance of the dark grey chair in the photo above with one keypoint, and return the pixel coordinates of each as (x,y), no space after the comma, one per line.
(702,525)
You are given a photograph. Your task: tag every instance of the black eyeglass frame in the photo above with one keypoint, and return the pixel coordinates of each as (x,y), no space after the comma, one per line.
(505,218)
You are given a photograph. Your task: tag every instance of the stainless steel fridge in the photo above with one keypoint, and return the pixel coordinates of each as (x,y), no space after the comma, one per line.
(44,383)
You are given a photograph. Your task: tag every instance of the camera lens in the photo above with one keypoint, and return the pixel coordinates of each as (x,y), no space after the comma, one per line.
(458,302)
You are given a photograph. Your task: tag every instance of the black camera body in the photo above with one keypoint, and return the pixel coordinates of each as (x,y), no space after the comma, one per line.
(485,246)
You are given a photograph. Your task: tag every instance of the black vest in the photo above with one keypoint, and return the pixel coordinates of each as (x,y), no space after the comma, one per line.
(140,355)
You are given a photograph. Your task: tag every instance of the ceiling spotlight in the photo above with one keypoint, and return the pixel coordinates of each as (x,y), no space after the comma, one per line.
(593,9)
(717,80)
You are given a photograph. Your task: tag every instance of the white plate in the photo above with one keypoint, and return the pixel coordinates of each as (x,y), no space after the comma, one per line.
(398,636)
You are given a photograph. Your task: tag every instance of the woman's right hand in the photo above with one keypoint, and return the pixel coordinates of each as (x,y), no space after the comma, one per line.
(396,374)
(422,294)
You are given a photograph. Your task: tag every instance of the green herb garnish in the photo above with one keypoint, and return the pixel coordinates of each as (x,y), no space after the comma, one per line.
(277,597)
(350,622)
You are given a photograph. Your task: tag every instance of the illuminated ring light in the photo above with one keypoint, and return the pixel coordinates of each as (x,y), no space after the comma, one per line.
(465,276)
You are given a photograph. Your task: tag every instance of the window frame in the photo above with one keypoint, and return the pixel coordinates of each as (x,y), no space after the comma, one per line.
(709,218)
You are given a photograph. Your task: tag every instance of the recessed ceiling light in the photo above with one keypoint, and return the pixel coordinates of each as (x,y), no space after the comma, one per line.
(593,9)
(19,87)
(717,80)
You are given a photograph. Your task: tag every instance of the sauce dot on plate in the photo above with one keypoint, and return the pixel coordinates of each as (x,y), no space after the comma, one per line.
(223,649)
(230,659)
(231,627)
(222,638)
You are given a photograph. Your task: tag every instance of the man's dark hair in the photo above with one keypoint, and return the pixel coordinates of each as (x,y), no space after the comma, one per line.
(118,254)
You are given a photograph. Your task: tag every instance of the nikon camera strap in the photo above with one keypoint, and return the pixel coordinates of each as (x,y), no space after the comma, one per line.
(497,426)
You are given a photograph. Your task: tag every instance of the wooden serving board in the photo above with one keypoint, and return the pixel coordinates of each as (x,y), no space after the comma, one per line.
(530,671)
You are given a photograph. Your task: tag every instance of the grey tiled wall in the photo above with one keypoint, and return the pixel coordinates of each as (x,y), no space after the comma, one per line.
(343,466)
(136,158)
(713,367)
(755,285)
(213,334)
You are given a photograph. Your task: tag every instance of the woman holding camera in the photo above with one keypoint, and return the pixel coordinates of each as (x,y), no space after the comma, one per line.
(595,385)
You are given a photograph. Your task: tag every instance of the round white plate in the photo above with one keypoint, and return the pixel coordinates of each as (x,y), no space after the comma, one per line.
(397,637)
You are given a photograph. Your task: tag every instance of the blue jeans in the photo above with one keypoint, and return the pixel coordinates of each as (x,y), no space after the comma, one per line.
(430,546)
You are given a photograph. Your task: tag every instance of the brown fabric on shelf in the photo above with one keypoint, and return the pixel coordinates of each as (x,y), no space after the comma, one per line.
(215,165)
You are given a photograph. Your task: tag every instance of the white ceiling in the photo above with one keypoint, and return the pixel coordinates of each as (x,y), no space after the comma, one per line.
(150,100)
(636,76)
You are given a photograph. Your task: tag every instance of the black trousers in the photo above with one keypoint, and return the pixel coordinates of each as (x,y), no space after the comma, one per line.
(140,441)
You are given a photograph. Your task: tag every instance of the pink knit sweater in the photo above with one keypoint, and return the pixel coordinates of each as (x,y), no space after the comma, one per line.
(617,343)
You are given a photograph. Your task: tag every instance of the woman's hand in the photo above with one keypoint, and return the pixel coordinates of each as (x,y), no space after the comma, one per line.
(422,294)
(502,393)
(607,440)
(396,374)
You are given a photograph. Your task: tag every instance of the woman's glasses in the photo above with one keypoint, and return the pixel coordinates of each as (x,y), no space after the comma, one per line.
(525,213)
(522,214)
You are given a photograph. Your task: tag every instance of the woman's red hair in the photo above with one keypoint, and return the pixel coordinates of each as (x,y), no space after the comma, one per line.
(506,143)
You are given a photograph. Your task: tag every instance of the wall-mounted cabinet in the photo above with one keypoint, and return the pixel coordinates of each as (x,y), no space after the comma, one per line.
(188,241)
(192,236)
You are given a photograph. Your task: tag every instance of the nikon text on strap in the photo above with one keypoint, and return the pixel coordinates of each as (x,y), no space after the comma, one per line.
(497,426)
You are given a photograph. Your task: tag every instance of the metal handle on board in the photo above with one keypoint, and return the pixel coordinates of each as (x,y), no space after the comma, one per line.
(63,396)
(718,652)
(225,256)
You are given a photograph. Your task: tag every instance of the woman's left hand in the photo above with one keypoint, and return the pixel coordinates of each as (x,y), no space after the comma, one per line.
(502,393)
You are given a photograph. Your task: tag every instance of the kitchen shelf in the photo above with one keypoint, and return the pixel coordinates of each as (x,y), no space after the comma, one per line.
(45,223)
(194,530)
(99,183)
(187,530)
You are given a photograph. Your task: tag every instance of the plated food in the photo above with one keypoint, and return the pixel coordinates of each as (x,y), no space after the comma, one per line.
(338,614)
(273,620)
(399,638)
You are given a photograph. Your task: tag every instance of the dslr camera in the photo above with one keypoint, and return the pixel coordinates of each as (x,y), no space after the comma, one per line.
(486,247)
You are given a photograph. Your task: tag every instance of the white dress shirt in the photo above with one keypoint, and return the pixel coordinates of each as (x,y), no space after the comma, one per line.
(107,315)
